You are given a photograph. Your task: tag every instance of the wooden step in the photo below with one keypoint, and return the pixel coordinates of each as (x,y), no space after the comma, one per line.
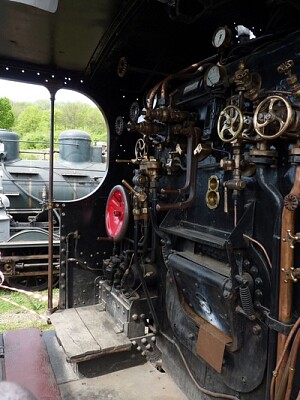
(27,363)
(88,332)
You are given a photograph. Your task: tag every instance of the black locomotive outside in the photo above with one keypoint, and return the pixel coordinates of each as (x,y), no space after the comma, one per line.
(78,169)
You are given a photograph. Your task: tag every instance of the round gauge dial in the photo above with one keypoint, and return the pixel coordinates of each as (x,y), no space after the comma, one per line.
(134,112)
(221,37)
(213,75)
(119,125)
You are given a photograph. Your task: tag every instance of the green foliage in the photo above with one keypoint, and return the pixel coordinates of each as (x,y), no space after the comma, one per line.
(32,122)
(7,117)
(13,316)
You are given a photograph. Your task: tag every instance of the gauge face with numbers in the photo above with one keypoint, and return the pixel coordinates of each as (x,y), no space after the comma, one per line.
(212,76)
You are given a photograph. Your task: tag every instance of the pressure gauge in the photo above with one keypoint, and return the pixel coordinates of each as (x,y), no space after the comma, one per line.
(213,75)
(222,37)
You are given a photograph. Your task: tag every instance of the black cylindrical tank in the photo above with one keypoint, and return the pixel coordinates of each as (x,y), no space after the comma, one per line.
(9,145)
(75,146)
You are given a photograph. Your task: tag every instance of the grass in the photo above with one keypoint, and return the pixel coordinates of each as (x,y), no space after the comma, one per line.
(13,316)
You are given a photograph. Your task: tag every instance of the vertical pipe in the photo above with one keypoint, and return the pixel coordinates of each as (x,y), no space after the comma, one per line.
(267,181)
(286,263)
(50,204)
(142,278)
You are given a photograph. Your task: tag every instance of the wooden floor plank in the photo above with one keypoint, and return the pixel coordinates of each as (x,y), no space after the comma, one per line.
(101,327)
(75,338)
(87,332)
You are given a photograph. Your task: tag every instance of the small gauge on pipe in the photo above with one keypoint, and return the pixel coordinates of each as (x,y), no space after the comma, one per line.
(213,75)
(222,37)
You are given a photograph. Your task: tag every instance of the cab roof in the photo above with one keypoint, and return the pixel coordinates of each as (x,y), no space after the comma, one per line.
(92,42)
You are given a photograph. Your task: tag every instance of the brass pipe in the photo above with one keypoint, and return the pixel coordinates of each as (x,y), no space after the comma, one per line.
(286,265)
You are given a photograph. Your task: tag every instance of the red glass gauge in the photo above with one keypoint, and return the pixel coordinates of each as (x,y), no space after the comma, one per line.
(117,213)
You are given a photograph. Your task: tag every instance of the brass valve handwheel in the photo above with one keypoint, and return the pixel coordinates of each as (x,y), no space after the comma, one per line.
(275,113)
(230,123)
(140,149)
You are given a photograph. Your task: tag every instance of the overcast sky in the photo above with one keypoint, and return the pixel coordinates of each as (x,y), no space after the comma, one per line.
(16,91)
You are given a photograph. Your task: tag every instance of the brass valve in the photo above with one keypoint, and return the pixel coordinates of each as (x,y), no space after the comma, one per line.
(292,80)
(291,239)
(273,117)
(141,196)
(247,81)
(226,164)
(146,128)
(230,123)
(167,114)
(291,274)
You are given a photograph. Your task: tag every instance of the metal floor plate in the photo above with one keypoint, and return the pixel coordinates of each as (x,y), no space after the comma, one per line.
(135,383)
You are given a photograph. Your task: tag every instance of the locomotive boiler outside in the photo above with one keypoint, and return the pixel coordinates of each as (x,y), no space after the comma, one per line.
(78,168)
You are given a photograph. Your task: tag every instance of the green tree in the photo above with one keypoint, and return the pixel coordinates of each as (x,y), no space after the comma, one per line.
(33,125)
(80,116)
(32,122)
(18,107)
(72,115)
(7,118)
(94,124)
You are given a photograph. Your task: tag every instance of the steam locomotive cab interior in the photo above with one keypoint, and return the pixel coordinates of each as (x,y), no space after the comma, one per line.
(190,242)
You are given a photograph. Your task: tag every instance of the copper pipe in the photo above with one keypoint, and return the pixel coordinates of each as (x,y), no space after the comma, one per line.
(292,367)
(152,95)
(192,69)
(286,263)
(280,392)
(164,82)
(283,356)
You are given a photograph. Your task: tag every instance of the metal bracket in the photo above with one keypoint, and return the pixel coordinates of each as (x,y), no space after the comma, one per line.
(278,326)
